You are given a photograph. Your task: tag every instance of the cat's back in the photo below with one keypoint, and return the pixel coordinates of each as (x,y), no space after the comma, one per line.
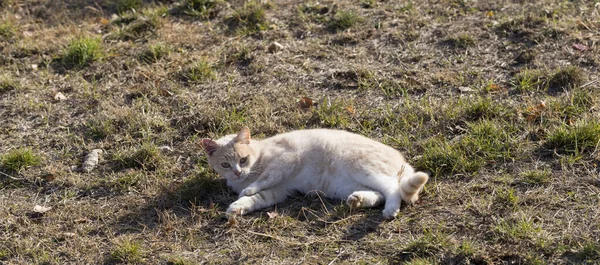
(327,140)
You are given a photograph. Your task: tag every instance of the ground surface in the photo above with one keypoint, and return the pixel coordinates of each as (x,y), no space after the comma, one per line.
(498,101)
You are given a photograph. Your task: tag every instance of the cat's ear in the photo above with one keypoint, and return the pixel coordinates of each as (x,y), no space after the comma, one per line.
(209,146)
(243,136)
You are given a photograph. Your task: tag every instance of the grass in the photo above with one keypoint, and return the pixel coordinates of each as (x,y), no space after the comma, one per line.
(512,160)
(17,160)
(248,19)
(581,137)
(127,251)
(82,51)
(201,71)
(128,5)
(154,52)
(344,19)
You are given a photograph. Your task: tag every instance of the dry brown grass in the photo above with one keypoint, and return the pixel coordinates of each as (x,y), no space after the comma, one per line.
(492,99)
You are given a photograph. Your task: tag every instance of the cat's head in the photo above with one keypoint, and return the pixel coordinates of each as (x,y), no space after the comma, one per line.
(232,156)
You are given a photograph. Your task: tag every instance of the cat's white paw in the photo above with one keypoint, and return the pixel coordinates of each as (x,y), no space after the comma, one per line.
(249,191)
(355,201)
(390,213)
(236,209)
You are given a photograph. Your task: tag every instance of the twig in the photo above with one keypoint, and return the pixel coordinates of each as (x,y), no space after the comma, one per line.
(11,177)
(589,83)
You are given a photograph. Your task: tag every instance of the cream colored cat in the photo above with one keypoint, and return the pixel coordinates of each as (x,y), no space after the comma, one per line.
(338,164)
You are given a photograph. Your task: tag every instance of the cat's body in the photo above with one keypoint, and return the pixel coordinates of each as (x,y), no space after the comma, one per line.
(336,164)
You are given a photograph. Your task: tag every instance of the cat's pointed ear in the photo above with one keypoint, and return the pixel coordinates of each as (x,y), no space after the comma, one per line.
(243,136)
(209,146)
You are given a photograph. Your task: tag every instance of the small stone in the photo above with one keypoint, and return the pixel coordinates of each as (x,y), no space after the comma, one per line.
(165,148)
(465,89)
(60,96)
(41,209)
(275,47)
(34,66)
(91,160)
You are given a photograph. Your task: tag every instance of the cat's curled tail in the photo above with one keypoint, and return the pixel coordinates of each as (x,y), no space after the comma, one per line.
(411,185)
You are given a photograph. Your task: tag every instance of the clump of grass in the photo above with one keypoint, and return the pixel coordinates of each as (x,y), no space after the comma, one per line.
(581,137)
(124,182)
(344,20)
(429,244)
(589,252)
(526,56)
(99,129)
(127,252)
(201,8)
(529,80)
(7,30)
(200,72)
(536,177)
(140,27)
(7,84)
(145,156)
(82,51)
(127,5)
(485,141)
(506,198)
(565,79)
(483,108)
(515,230)
(331,114)
(248,19)
(461,41)
(154,53)
(18,159)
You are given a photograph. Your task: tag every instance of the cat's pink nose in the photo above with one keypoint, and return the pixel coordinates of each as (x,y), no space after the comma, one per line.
(237,173)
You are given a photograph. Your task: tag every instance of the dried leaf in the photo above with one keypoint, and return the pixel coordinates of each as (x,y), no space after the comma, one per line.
(350,110)
(231,220)
(580,47)
(49,177)
(104,21)
(489,13)
(41,209)
(305,103)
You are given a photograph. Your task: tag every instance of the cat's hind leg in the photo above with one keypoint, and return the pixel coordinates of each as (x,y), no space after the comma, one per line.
(390,189)
(365,199)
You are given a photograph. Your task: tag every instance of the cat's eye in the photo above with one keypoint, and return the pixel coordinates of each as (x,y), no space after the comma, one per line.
(225,165)
(243,160)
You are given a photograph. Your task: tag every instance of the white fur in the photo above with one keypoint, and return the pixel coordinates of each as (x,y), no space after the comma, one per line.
(335,163)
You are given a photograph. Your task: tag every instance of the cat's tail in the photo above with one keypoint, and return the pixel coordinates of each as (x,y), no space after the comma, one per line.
(411,185)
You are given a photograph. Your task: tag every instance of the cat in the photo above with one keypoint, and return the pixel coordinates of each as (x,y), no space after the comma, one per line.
(339,164)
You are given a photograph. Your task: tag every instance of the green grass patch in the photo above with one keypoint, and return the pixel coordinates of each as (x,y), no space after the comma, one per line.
(344,19)
(332,114)
(153,53)
(17,160)
(7,31)
(460,41)
(573,104)
(536,177)
(483,108)
(82,51)
(565,79)
(145,156)
(135,26)
(485,141)
(128,5)
(248,19)
(530,80)
(99,129)
(515,230)
(7,84)
(506,198)
(581,137)
(127,251)
(201,8)
(201,71)
(431,243)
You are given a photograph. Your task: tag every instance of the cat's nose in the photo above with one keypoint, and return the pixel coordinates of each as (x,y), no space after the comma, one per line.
(237,173)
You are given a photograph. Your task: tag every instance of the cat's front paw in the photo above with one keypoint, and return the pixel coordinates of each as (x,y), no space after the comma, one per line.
(390,213)
(235,209)
(249,191)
